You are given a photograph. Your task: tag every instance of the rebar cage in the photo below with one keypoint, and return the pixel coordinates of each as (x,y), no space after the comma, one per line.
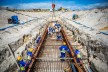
(52,65)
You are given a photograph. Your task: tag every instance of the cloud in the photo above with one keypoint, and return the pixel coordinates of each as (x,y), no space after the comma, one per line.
(47,5)
(90,6)
(97,5)
(30,5)
(44,5)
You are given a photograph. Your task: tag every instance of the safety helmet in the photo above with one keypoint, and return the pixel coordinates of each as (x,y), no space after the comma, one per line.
(78,56)
(19,58)
(31,49)
(64,43)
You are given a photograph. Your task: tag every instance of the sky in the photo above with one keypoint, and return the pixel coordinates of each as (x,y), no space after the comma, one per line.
(46,4)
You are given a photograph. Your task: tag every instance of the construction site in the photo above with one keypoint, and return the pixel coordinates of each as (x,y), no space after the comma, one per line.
(44,40)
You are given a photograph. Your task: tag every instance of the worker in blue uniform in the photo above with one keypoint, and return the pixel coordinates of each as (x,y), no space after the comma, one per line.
(50,30)
(53,30)
(21,63)
(29,53)
(78,56)
(29,56)
(63,50)
(58,26)
(38,39)
(59,37)
(77,51)
(75,16)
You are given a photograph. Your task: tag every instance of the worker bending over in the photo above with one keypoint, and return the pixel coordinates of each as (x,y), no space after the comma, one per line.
(25,64)
(38,39)
(78,55)
(50,30)
(75,16)
(29,56)
(63,50)
(21,63)
(59,37)
(58,28)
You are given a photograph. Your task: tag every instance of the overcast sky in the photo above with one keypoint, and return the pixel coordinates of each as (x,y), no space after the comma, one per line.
(71,4)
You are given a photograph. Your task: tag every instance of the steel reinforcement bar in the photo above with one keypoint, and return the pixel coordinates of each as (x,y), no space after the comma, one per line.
(80,68)
(37,49)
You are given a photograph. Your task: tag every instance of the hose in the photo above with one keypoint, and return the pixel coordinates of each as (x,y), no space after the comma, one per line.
(1,29)
(104,33)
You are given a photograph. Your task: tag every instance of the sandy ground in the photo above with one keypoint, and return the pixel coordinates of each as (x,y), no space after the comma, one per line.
(23,16)
(93,19)
(13,34)
(96,19)
(100,64)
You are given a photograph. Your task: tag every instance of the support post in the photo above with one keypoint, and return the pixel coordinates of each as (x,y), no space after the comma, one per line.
(13,56)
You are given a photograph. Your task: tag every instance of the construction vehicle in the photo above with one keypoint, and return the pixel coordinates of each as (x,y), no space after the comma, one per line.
(13,20)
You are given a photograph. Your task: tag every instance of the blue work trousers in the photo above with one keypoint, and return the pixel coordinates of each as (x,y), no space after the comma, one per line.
(78,60)
(63,55)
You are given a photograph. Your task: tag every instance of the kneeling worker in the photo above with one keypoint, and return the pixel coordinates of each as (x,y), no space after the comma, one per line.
(63,50)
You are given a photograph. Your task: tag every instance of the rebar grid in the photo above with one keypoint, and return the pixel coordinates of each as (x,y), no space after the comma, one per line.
(49,57)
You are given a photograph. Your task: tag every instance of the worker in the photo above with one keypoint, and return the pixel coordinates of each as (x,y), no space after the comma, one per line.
(59,37)
(63,50)
(49,30)
(29,56)
(30,52)
(19,58)
(53,29)
(38,39)
(75,16)
(78,56)
(21,63)
(77,51)
(58,26)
